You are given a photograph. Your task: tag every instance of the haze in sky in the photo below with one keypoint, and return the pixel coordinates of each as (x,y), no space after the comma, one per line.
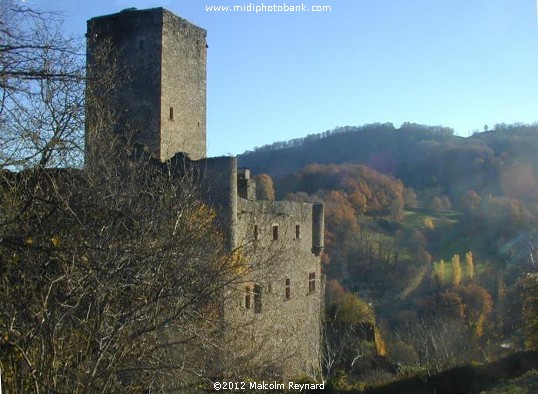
(275,76)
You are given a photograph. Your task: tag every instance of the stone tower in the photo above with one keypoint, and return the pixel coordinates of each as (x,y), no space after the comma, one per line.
(162,99)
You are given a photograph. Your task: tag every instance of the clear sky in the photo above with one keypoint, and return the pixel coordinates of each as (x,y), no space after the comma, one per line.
(275,76)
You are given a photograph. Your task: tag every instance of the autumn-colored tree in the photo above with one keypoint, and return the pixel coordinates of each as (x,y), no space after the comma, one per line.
(340,217)
(350,309)
(428,224)
(446,303)
(367,190)
(456,270)
(478,306)
(505,216)
(386,195)
(301,197)
(264,187)
(469,265)
(439,203)
(446,203)
(501,288)
(315,177)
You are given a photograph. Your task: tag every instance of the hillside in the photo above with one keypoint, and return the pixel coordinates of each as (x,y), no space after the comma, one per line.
(499,161)
(431,239)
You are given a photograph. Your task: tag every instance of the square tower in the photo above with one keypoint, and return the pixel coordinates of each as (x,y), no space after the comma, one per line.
(161,98)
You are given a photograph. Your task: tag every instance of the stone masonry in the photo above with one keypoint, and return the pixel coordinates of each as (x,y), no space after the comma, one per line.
(163,60)
(274,316)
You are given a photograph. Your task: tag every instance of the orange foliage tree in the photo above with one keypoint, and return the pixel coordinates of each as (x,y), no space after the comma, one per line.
(264,187)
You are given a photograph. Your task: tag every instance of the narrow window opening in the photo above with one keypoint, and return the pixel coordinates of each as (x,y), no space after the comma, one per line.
(312,282)
(297,231)
(256,231)
(247,297)
(269,287)
(288,289)
(257,299)
(171,117)
(275,232)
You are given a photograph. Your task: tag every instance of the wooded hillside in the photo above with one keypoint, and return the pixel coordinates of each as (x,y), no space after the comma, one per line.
(436,233)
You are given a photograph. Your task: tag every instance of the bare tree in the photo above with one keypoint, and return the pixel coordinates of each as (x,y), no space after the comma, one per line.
(350,332)
(439,343)
(106,284)
(41,90)
(112,275)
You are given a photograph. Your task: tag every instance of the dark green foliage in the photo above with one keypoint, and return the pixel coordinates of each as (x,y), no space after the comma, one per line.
(421,156)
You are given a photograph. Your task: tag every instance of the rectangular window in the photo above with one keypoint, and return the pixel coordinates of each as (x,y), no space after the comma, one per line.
(269,287)
(171,117)
(311,282)
(247,297)
(275,232)
(256,232)
(257,299)
(288,289)
(297,231)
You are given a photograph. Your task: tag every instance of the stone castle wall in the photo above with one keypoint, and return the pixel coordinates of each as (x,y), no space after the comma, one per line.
(183,88)
(272,315)
(279,304)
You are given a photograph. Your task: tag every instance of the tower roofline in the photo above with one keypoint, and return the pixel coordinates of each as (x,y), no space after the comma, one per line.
(127,11)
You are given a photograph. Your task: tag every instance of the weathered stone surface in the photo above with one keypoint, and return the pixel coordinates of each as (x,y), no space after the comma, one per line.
(163,60)
(272,318)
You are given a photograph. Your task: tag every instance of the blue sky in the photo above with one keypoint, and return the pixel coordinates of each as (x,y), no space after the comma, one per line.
(275,76)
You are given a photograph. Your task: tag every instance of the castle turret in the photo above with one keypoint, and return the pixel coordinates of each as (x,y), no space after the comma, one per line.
(246,186)
(318,228)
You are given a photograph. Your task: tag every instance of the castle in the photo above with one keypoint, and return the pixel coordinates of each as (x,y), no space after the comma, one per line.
(275,315)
